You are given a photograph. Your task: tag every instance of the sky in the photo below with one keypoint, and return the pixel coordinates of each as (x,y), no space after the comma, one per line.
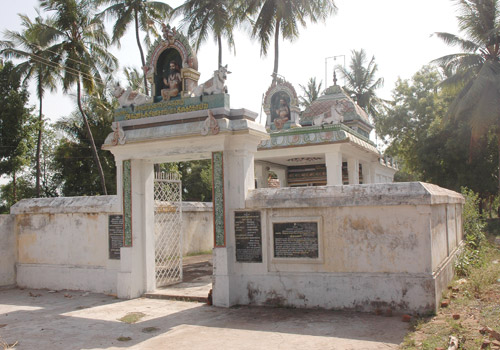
(398,33)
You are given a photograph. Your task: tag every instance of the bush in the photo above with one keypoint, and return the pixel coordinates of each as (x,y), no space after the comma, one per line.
(475,239)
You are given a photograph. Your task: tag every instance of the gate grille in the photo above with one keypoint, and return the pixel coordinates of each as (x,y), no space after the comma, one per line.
(168,228)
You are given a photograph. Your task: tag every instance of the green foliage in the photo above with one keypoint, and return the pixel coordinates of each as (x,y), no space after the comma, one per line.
(29,46)
(473,226)
(79,43)
(24,189)
(142,13)
(361,82)
(274,17)
(311,92)
(17,126)
(73,156)
(432,150)
(134,78)
(476,70)
(16,123)
(196,180)
(204,16)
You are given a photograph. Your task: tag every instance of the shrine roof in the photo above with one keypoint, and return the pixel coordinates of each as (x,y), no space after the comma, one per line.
(335,96)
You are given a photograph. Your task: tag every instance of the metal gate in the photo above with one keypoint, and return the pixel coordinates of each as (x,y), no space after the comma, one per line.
(168,228)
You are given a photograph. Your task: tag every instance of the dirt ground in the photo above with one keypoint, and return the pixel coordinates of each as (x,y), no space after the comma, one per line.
(470,311)
(64,320)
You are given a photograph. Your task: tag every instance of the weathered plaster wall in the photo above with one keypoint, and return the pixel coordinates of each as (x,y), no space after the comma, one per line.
(63,243)
(384,245)
(7,251)
(197,227)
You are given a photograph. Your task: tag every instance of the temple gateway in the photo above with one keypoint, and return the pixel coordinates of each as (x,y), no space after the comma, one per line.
(333,232)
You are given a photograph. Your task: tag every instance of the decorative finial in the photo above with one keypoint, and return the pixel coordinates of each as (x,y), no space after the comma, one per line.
(334,78)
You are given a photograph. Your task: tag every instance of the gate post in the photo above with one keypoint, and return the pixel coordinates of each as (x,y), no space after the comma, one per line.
(233,177)
(137,265)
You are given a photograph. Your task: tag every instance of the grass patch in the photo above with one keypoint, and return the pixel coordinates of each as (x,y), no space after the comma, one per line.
(150,330)
(205,252)
(475,298)
(132,317)
(123,338)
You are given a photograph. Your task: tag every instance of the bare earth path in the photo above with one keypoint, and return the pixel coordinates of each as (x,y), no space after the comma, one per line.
(67,320)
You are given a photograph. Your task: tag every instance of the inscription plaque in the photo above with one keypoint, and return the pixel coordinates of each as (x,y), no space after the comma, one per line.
(296,240)
(247,228)
(115,231)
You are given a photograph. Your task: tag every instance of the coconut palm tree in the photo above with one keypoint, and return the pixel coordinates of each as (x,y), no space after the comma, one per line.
(311,92)
(28,45)
(361,81)
(142,13)
(204,16)
(476,69)
(134,78)
(79,45)
(283,16)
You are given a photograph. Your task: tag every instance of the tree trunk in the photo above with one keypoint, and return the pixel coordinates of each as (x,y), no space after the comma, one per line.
(146,90)
(91,140)
(39,141)
(14,188)
(498,145)
(219,42)
(276,48)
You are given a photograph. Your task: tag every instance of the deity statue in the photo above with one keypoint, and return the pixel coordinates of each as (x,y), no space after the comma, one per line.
(173,83)
(283,113)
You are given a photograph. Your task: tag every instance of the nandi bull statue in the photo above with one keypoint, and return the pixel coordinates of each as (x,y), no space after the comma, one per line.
(214,85)
(128,98)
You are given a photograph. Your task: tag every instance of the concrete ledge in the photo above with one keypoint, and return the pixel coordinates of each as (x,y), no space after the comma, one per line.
(190,129)
(404,193)
(57,277)
(66,205)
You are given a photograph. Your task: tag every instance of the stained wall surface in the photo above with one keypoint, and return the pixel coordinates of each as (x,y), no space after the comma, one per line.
(382,245)
(7,251)
(63,243)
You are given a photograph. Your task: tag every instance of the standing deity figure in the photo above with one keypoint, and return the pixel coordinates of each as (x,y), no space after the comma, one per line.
(173,83)
(283,113)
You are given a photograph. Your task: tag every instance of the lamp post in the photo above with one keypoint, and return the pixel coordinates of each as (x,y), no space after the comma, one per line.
(326,62)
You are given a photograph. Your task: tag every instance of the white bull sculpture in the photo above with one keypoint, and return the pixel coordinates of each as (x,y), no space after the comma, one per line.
(127,98)
(214,85)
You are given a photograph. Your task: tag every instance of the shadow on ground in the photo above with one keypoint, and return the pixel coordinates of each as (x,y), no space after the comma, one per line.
(65,320)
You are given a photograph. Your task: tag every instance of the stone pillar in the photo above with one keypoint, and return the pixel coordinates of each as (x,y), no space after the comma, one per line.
(137,262)
(237,178)
(190,79)
(333,162)
(371,167)
(365,172)
(353,170)
(261,174)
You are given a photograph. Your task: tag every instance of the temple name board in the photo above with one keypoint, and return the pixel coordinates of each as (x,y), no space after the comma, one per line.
(247,228)
(183,105)
(115,232)
(296,240)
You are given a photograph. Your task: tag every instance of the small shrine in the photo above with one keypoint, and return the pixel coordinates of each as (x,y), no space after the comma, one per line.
(327,144)
(172,71)
(172,66)
(281,106)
